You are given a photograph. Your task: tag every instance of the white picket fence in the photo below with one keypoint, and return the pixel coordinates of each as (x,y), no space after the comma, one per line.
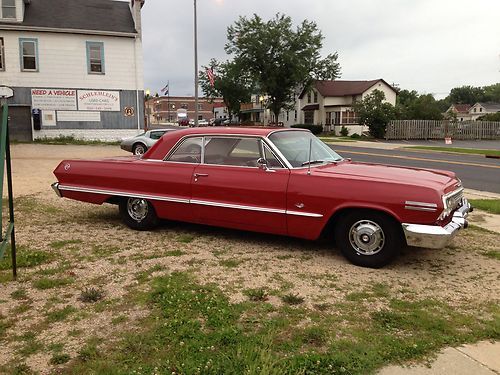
(440,129)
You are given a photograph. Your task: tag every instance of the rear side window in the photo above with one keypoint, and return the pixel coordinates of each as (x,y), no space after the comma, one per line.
(189,151)
(156,134)
(232,151)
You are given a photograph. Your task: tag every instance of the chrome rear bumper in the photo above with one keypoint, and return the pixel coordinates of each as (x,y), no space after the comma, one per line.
(55,186)
(434,236)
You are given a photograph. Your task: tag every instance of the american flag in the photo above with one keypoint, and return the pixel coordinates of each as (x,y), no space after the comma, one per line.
(211,76)
(165,89)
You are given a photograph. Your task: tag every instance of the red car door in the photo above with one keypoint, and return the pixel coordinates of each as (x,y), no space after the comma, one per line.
(230,190)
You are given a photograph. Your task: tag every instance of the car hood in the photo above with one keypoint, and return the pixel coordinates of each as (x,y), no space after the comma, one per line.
(433,178)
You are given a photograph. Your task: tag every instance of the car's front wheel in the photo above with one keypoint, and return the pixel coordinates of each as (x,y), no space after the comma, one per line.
(368,238)
(139,149)
(138,213)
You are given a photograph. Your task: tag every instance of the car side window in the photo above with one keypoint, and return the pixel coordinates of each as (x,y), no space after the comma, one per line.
(189,151)
(156,135)
(272,161)
(234,151)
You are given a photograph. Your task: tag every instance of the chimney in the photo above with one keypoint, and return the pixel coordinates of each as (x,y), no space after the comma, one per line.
(135,8)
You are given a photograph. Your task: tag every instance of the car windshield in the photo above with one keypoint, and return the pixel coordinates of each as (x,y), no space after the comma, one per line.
(295,145)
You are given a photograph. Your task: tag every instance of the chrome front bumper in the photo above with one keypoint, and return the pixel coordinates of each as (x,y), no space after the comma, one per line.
(55,186)
(434,236)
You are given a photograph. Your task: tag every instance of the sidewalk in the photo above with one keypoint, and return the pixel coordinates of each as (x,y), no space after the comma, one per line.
(482,358)
(392,145)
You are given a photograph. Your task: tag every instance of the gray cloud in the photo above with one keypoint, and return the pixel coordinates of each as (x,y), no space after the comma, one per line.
(426,45)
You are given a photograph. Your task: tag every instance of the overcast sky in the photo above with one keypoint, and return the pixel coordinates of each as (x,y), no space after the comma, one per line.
(427,45)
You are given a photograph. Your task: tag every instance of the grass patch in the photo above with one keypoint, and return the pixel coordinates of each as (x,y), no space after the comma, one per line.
(185,238)
(457,150)
(25,258)
(493,254)
(48,283)
(194,328)
(231,263)
(60,314)
(174,253)
(59,359)
(336,139)
(489,205)
(71,140)
(19,294)
(63,243)
(30,205)
(292,299)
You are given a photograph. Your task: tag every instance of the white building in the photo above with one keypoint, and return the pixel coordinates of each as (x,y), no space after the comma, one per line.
(329,103)
(75,67)
(481,109)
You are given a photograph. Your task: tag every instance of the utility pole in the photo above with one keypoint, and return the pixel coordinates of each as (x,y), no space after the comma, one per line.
(195,68)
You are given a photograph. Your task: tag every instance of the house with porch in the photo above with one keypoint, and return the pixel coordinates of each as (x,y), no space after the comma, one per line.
(330,103)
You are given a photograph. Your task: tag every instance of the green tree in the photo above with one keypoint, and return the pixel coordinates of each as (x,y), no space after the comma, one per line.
(279,57)
(466,95)
(375,112)
(492,93)
(230,83)
(412,106)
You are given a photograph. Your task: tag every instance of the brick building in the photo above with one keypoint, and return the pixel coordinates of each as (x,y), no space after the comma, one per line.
(170,108)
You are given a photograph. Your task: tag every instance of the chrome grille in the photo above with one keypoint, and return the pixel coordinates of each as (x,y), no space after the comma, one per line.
(454,199)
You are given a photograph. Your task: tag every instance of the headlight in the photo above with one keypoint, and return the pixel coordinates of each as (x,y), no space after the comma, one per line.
(451,202)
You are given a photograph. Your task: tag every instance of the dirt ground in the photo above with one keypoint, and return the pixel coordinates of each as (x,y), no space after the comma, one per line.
(90,247)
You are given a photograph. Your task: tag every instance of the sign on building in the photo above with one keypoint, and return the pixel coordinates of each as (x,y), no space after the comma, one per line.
(53,99)
(98,100)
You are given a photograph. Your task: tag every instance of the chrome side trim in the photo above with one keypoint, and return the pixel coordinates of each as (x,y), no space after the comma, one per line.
(307,214)
(183,200)
(123,193)
(423,204)
(428,209)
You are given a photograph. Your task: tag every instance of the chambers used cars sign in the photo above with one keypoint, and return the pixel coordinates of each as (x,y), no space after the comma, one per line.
(98,100)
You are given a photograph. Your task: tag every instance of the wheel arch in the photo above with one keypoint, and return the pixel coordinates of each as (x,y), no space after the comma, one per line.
(342,211)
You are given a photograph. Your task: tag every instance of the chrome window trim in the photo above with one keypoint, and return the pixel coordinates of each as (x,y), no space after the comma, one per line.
(187,201)
(179,143)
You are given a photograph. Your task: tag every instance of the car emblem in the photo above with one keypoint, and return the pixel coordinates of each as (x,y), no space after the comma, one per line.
(299,205)
(67,166)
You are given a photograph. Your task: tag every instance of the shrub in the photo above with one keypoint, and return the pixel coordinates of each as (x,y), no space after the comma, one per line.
(315,129)
(344,132)
(91,294)
(355,136)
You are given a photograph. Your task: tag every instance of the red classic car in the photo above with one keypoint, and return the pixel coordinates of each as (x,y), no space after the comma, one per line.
(281,181)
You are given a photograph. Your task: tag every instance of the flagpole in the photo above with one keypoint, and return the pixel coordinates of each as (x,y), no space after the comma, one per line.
(195,67)
(168,101)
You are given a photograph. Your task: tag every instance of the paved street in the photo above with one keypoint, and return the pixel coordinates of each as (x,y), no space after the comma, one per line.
(476,172)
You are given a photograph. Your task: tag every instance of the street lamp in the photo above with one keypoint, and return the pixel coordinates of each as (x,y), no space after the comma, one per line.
(195,67)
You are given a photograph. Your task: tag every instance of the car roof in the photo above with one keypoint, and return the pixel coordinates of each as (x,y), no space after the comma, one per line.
(235,130)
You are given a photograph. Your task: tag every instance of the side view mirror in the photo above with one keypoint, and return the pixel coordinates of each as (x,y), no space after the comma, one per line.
(263,164)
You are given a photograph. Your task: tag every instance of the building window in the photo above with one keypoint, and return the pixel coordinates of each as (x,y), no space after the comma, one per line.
(184,105)
(8,9)
(480,109)
(308,117)
(349,118)
(200,107)
(29,54)
(315,96)
(95,58)
(2,60)
(309,97)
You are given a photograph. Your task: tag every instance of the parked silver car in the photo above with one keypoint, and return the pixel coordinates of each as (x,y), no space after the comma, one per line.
(139,144)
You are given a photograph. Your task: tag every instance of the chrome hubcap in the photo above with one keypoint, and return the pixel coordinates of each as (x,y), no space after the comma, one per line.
(139,150)
(366,237)
(137,208)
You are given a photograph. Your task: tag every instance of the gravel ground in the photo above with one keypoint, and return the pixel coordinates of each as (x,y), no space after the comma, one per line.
(90,247)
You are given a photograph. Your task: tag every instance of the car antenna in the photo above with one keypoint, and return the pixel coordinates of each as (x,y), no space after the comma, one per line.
(310,150)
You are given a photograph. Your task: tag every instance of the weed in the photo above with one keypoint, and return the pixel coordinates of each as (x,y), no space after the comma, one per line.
(31,344)
(258,294)
(25,257)
(90,351)
(314,335)
(59,359)
(90,295)
(493,254)
(292,299)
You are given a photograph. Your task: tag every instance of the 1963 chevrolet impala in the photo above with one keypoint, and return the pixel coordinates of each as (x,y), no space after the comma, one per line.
(282,181)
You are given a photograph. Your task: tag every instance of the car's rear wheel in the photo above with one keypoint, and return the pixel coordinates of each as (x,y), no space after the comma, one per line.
(368,238)
(138,213)
(139,149)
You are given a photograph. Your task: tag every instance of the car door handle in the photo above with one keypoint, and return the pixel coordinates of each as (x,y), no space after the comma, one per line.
(198,175)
